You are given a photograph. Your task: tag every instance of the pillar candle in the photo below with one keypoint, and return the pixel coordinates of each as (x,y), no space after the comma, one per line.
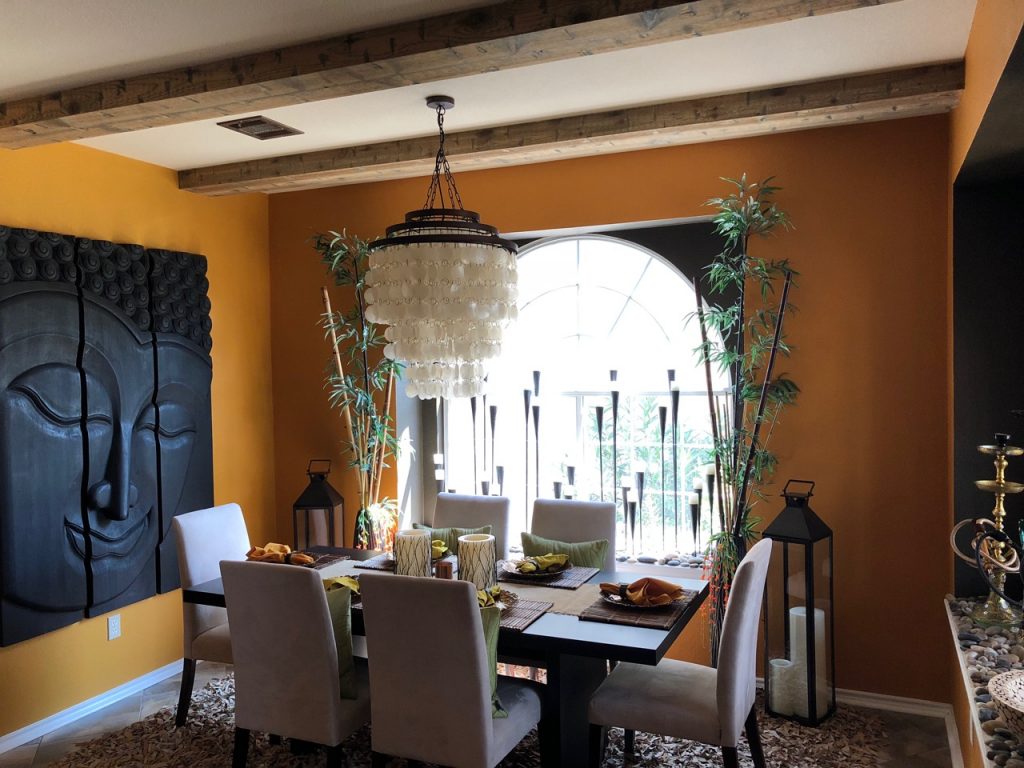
(798,650)
(412,552)
(477,559)
(780,672)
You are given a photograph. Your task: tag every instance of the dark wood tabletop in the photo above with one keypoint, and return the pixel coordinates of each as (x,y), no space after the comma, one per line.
(552,632)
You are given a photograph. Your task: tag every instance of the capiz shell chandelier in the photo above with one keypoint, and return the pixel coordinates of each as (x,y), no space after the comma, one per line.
(445,285)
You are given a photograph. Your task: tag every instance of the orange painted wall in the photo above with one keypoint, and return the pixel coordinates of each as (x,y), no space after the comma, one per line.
(85,192)
(870,205)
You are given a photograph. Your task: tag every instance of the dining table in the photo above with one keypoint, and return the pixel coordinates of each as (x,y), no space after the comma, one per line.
(575,653)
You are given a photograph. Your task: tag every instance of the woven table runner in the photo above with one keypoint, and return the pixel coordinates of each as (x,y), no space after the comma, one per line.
(568,601)
(523,614)
(572,578)
(650,618)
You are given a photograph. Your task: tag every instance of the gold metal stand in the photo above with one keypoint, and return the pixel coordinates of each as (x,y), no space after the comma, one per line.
(995,611)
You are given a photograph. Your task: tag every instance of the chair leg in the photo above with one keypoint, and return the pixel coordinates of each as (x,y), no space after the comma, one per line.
(378,760)
(274,739)
(188,678)
(629,747)
(335,756)
(241,753)
(730,757)
(596,746)
(754,738)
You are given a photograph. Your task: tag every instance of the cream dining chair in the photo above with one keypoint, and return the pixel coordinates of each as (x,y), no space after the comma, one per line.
(691,701)
(287,660)
(434,705)
(203,539)
(574,521)
(466,511)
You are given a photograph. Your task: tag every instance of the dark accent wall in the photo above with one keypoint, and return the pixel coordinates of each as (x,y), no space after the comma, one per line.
(105,424)
(988,307)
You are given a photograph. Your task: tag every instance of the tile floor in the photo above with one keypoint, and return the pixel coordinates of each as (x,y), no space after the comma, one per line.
(915,741)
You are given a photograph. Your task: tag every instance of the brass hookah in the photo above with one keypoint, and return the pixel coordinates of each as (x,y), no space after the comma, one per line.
(994,553)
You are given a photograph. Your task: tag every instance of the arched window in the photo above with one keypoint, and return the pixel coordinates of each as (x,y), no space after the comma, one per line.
(589,306)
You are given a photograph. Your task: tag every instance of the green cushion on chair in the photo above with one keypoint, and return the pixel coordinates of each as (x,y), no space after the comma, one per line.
(491,618)
(589,554)
(450,536)
(339,602)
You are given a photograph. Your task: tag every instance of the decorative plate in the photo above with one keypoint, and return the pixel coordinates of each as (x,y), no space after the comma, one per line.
(509,566)
(621,602)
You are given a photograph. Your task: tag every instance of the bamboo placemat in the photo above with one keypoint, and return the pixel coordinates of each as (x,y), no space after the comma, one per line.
(650,618)
(523,614)
(325,560)
(571,578)
(378,563)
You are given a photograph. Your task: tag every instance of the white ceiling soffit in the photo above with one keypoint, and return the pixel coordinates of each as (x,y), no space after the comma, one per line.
(885,37)
(52,45)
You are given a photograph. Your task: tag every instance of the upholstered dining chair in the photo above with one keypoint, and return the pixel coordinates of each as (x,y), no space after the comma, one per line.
(434,705)
(574,521)
(203,539)
(466,511)
(691,701)
(287,660)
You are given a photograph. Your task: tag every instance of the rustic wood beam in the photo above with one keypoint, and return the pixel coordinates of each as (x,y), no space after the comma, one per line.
(864,98)
(513,33)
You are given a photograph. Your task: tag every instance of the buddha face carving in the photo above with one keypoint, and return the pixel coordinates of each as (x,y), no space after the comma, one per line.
(104,437)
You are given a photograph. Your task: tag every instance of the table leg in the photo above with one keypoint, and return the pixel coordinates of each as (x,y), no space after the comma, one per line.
(572,680)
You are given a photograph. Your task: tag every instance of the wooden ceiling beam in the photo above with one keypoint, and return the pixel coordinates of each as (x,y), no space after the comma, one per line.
(864,98)
(513,33)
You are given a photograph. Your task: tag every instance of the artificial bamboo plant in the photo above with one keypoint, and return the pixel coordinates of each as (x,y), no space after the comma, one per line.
(747,301)
(361,382)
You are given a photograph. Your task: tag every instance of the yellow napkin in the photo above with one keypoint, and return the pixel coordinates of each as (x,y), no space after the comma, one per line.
(438,549)
(542,563)
(278,553)
(645,591)
(342,581)
(486,597)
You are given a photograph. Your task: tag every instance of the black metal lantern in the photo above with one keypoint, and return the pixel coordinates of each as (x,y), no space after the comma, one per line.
(320,499)
(800,623)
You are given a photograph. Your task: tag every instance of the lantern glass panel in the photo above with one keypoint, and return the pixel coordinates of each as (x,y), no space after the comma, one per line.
(796,643)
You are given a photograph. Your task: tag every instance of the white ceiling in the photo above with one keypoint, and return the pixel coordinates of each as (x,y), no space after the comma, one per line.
(50,44)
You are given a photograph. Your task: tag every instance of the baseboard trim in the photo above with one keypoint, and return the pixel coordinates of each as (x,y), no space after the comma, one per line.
(31,732)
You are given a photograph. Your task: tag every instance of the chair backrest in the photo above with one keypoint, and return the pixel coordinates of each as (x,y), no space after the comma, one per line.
(203,539)
(465,511)
(431,703)
(737,656)
(574,521)
(282,641)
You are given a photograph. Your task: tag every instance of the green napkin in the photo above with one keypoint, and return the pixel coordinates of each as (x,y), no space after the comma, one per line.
(491,618)
(589,554)
(543,563)
(339,603)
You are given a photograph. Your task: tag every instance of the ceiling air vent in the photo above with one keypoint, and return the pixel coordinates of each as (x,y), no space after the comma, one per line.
(260,127)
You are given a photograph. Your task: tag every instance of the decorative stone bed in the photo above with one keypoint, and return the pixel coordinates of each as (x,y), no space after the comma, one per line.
(984,653)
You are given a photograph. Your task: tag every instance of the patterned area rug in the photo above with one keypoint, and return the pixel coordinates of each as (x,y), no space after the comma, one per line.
(851,739)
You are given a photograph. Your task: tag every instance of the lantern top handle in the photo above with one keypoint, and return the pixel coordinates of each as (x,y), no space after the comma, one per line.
(798,493)
(319,471)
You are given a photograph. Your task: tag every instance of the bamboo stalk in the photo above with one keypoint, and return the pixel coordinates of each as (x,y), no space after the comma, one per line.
(762,401)
(346,414)
(378,459)
(711,397)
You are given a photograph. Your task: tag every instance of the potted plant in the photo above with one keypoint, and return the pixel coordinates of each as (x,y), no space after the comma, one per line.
(361,382)
(748,298)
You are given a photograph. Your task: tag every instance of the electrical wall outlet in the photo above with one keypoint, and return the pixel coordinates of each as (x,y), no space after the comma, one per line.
(114,626)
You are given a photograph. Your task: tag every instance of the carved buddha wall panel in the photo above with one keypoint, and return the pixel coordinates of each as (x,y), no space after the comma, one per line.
(105,427)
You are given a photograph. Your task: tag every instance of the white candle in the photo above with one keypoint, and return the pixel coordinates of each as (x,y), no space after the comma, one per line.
(693,499)
(698,484)
(412,552)
(780,673)
(439,458)
(798,650)
(709,469)
(477,559)
(439,474)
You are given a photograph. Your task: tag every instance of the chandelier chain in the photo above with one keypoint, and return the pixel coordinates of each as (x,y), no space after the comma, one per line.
(436,192)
